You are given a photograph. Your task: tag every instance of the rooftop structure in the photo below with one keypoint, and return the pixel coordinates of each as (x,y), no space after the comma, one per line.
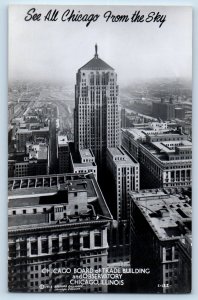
(164,154)
(168,215)
(63,154)
(82,161)
(159,223)
(56,221)
(62,140)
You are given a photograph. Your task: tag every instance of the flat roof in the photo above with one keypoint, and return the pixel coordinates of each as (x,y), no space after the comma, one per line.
(169,216)
(26,130)
(161,152)
(85,152)
(62,140)
(26,197)
(127,159)
(84,165)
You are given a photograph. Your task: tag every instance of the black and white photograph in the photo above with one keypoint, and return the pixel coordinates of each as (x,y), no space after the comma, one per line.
(99,149)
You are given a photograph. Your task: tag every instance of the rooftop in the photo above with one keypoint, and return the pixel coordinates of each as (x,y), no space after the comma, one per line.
(120,156)
(62,140)
(162,152)
(48,191)
(26,130)
(85,152)
(96,63)
(168,215)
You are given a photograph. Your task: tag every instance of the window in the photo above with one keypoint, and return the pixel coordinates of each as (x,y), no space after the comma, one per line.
(12,250)
(24,211)
(76,243)
(98,239)
(169,254)
(23,248)
(86,241)
(75,194)
(76,206)
(44,246)
(55,245)
(14,212)
(65,244)
(34,248)
(34,211)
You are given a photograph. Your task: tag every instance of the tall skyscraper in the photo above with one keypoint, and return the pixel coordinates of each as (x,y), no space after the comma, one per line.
(96,114)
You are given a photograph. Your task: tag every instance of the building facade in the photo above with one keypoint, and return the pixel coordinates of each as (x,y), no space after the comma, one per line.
(63,154)
(62,226)
(158,223)
(164,154)
(164,110)
(125,173)
(96,114)
(82,161)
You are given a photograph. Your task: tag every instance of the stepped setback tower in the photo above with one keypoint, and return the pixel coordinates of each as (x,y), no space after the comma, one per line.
(96,114)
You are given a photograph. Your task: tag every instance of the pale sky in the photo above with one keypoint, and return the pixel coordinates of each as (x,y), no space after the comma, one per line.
(56,50)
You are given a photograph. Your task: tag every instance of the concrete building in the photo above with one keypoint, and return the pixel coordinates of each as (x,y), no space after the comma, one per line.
(63,154)
(10,112)
(158,224)
(35,160)
(56,222)
(180,113)
(164,110)
(96,114)
(125,173)
(185,263)
(24,135)
(165,156)
(82,161)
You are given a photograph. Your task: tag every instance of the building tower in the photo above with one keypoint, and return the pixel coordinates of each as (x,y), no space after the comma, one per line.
(96,113)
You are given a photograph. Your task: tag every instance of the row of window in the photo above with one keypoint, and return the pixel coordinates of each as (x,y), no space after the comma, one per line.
(55,247)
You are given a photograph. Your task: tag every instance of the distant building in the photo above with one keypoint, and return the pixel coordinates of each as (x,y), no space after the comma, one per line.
(35,160)
(179,113)
(143,107)
(24,135)
(164,110)
(159,222)
(165,155)
(96,114)
(82,161)
(10,112)
(55,222)
(63,154)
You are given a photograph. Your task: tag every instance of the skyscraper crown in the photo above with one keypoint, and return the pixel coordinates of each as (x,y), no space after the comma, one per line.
(96,63)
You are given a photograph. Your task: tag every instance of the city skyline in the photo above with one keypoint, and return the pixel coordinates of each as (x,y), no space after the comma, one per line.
(136,50)
(92,190)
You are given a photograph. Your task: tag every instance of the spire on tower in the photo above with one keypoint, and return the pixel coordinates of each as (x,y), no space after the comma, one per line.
(96,51)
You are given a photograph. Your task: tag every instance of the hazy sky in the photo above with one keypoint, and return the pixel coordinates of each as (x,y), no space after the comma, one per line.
(56,50)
